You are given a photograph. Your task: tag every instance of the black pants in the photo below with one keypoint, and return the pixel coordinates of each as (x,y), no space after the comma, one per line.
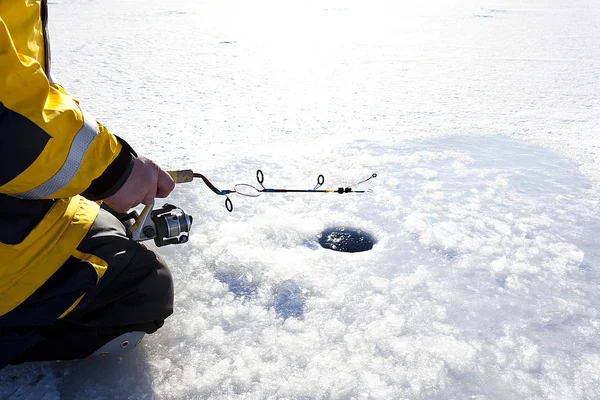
(135,294)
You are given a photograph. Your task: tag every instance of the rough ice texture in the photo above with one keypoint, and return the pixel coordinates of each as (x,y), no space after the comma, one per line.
(481,119)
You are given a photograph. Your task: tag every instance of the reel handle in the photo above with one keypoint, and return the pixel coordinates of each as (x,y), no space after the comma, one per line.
(143,223)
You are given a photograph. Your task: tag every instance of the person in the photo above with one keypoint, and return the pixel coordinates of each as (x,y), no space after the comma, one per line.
(71,280)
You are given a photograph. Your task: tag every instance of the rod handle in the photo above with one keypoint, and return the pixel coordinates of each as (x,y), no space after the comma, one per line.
(182,176)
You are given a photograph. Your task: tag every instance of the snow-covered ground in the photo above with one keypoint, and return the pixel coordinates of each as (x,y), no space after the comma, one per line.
(481,119)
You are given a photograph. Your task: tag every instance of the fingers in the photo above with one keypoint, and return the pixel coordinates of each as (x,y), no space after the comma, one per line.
(149,198)
(150,182)
(165,184)
(146,182)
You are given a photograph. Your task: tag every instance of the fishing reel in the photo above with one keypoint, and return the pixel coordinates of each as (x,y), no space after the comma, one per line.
(166,225)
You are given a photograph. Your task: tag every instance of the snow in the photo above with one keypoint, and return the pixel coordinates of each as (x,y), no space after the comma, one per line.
(481,120)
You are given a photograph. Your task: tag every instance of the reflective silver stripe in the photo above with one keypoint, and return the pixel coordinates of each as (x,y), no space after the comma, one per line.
(79,146)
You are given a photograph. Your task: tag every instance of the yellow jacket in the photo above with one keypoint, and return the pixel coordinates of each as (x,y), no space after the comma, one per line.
(49,149)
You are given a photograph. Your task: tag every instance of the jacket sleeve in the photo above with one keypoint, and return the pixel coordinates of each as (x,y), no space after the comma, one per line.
(49,146)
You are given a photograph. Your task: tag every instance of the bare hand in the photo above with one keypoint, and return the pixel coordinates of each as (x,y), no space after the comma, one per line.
(146,182)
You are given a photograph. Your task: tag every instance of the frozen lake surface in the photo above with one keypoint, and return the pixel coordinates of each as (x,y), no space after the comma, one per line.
(481,120)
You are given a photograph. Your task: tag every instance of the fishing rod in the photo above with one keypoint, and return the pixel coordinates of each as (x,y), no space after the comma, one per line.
(171,225)
(244,189)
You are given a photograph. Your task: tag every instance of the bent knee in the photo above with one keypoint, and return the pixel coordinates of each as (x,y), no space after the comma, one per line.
(140,296)
(157,284)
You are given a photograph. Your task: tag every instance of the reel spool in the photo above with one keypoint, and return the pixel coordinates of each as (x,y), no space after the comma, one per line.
(166,225)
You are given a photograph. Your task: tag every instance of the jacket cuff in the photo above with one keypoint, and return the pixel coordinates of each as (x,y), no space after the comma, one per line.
(114,176)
